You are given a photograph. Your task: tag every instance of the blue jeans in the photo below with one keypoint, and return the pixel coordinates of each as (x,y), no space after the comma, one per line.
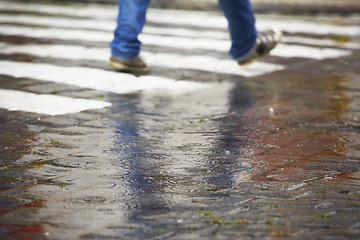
(131,20)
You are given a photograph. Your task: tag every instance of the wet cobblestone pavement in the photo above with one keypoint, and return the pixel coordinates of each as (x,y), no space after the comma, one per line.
(198,149)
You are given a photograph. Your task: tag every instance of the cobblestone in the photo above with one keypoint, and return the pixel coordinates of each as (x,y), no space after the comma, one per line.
(270,155)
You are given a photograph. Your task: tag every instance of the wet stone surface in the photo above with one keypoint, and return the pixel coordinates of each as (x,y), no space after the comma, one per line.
(275,156)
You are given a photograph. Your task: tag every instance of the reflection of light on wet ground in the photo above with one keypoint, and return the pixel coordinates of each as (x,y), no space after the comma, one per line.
(295,141)
(231,152)
(168,148)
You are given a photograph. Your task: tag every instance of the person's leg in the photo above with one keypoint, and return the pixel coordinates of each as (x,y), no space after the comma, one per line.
(242,28)
(248,45)
(131,20)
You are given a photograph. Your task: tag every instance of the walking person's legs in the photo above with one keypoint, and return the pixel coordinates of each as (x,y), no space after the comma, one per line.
(248,45)
(242,28)
(125,47)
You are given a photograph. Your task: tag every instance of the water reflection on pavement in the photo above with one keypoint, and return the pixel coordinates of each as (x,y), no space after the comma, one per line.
(272,156)
(211,163)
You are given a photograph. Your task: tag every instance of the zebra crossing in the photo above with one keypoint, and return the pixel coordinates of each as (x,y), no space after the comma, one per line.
(194,37)
(45,103)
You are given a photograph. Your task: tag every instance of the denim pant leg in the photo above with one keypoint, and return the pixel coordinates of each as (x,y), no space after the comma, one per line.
(242,28)
(131,20)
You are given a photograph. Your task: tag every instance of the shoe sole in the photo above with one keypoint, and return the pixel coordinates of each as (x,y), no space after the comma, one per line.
(124,68)
(264,55)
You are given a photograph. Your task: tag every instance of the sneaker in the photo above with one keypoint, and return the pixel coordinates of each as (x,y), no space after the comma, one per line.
(133,65)
(265,42)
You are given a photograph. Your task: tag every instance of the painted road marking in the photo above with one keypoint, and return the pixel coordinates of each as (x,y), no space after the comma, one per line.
(288,51)
(189,18)
(168,41)
(76,10)
(14,100)
(105,25)
(204,63)
(100,28)
(52,33)
(211,20)
(109,25)
(96,36)
(97,79)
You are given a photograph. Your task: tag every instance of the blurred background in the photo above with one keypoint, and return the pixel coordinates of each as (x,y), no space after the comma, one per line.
(286,6)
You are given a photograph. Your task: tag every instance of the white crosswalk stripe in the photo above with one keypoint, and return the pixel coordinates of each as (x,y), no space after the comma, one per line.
(105,25)
(78,10)
(48,104)
(167,41)
(97,79)
(179,17)
(205,63)
(109,26)
(95,23)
